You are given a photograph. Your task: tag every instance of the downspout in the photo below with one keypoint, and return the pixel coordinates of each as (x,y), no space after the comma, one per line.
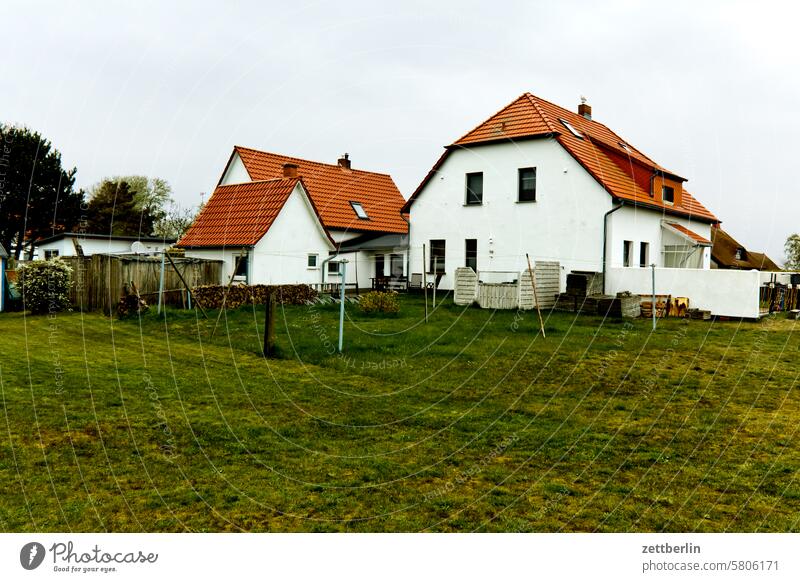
(605,239)
(408,250)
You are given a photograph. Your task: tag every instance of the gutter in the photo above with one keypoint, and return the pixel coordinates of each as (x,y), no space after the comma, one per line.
(605,239)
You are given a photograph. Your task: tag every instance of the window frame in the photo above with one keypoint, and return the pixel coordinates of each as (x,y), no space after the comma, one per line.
(644,253)
(571,129)
(314,256)
(471,254)
(519,184)
(50,254)
(358,208)
(671,190)
(443,256)
(333,267)
(468,192)
(627,253)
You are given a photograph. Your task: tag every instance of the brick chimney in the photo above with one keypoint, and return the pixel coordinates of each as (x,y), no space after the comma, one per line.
(290,170)
(584,109)
(344,162)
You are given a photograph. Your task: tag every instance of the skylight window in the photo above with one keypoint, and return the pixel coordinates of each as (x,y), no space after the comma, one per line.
(359,210)
(571,129)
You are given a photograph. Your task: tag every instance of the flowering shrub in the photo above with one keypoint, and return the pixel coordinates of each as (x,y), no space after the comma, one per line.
(45,286)
(379,302)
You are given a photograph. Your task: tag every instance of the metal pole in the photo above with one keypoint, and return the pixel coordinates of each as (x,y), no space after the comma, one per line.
(161,281)
(425,282)
(653,271)
(343,265)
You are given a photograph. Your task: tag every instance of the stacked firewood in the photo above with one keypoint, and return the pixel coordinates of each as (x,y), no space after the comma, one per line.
(211,296)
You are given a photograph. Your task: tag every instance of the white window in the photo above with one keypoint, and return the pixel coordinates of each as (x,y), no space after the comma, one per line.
(312,261)
(683,256)
(571,129)
(359,210)
(50,254)
(333,268)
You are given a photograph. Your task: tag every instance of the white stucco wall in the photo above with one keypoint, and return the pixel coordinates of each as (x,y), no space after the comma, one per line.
(564,224)
(281,256)
(641,225)
(721,291)
(92,246)
(235,173)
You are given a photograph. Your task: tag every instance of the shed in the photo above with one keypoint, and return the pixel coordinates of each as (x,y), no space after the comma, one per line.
(3,260)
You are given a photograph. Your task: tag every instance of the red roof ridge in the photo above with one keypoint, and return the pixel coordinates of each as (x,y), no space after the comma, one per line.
(305,161)
(532,98)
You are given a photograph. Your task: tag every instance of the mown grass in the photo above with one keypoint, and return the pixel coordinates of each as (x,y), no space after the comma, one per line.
(469,422)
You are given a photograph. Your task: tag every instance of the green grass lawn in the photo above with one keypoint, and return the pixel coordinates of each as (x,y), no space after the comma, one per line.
(471,422)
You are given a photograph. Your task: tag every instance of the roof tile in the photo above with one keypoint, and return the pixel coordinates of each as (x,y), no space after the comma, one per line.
(332,188)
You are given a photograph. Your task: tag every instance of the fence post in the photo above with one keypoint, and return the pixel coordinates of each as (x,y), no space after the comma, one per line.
(269,327)
(161,281)
(653,270)
(343,265)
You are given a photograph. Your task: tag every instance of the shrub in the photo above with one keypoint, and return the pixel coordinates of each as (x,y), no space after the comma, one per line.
(45,286)
(379,302)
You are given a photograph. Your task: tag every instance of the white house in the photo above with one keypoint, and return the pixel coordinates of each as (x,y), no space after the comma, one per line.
(66,244)
(538,179)
(287,220)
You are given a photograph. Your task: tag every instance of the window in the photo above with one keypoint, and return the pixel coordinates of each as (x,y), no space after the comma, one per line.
(241,266)
(312,261)
(396,264)
(739,256)
(571,129)
(683,256)
(50,254)
(437,256)
(333,268)
(359,210)
(644,254)
(627,253)
(668,194)
(475,188)
(527,185)
(379,265)
(471,252)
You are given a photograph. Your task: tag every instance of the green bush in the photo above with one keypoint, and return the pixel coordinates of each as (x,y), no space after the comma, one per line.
(379,302)
(45,286)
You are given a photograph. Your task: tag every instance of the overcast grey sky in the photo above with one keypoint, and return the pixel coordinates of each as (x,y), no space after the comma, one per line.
(710,90)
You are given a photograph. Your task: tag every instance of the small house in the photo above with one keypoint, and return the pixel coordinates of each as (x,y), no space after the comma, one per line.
(277,219)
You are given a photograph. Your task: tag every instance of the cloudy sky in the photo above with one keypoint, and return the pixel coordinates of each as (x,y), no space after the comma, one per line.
(708,89)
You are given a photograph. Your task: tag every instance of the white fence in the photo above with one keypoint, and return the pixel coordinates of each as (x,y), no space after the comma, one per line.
(720,291)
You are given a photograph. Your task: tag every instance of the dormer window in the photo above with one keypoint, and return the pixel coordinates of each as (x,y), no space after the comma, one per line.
(359,210)
(739,254)
(668,194)
(571,129)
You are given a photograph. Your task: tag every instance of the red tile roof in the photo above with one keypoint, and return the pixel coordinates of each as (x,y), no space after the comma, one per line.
(333,187)
(239,214)
(690,233)
(619,167)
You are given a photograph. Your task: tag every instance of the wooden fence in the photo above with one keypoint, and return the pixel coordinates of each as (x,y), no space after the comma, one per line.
(98,281)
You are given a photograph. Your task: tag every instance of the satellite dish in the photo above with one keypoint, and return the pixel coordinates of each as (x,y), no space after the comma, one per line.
(138,248)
